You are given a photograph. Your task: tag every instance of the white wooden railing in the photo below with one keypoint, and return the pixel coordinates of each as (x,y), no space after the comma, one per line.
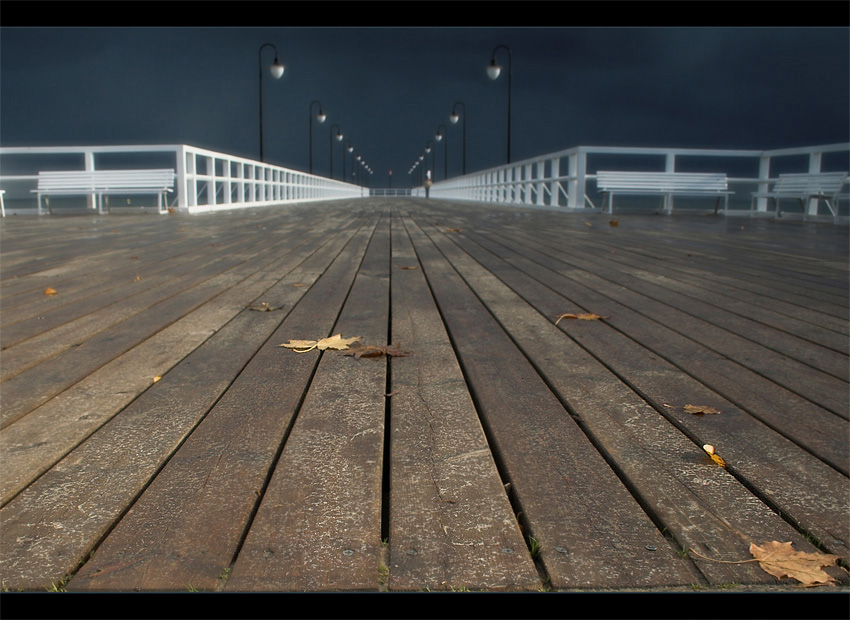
(205,180)
(566,179)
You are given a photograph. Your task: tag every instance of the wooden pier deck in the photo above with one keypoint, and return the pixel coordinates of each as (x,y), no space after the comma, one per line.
(156,436)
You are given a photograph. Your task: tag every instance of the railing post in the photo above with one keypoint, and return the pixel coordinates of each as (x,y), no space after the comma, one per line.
(669,166)
(91,199)
(764,183)
(814,168)
(555,183)
(577,183)
(541,169)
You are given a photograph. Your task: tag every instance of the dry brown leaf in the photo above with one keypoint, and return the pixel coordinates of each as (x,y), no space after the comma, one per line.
(50,291)
(368,350)
(614,223)
(714,456)
(263,307)
(588,316)
(452,230)
(780,559)
(408,267)
(336,342)
(700,409)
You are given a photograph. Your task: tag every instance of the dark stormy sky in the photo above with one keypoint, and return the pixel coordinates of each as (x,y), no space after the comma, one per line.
(390,87)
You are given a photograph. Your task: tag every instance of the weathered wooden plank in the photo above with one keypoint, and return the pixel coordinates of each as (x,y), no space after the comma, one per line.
(318,526)
(595,532)
(700,504)
(802,487)
(772,403)
(38,440)
(187,526)
(449,514)
(57,520)
(827,391)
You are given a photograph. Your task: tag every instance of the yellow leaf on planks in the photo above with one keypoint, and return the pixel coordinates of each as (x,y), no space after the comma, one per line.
(780,559)
(714,456)
(50,291)
(336,342)
(588,316)
(700,409)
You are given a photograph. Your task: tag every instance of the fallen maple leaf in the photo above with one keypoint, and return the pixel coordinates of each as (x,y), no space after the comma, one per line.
(336,342)
(408,267)
(588,316)
(263,307)
(50,291)
(614,223)
(782,560)
(714,456)
(700,409)
(452,230)
(368,350)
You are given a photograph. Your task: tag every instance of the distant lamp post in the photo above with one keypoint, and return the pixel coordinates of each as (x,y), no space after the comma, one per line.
(321,118)
(349,148)
(454,119)
(441,133)
(276,69)
(493,72)
(339,139)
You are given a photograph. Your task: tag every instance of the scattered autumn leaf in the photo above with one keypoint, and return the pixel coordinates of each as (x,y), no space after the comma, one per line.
(50,291)
(367,350)
(614,223)
(336,342)
(138,278)
(700,409)
(714,456)
(780,559)
(588,316)
(452,229)
(157,378)
(264,307)
(298,284)
(408,267)
(588,224)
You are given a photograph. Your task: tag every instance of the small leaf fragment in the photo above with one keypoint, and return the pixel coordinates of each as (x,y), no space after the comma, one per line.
(780,559)
(714,456)
(157,378)
(586,316)
(411,267)
(614,223)
(700,409)
(50,291)
(452,230)
(264,307)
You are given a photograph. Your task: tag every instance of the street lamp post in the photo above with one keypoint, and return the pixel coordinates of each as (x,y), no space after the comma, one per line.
(331,148)
(276,69)
(454,118)
(493,72)
(346,148)
(441,131)
(321,118)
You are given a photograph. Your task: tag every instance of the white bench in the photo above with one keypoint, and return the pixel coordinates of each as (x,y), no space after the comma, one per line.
(100,182)
(667,184)
(824,186)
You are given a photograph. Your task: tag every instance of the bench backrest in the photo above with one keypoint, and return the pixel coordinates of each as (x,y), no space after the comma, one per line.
(105,179)
(607,180)
(823,183)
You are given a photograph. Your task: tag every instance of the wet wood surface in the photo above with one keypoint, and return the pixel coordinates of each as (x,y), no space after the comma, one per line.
(155,436)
